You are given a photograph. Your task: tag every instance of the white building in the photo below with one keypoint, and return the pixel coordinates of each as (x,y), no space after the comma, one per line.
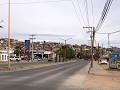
(4,54)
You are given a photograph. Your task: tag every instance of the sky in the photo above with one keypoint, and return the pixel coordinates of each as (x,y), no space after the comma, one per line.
(60,20)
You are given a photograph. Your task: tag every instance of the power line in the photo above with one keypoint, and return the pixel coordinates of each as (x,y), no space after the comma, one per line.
(76,13)
(80,11)
(37,2)
(86,10)
(109,36)
(104,14)
(49,2)
(110,32)
(92,12)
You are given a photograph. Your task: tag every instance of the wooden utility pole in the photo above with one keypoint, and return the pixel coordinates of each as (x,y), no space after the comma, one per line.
(92,36)
(8,33)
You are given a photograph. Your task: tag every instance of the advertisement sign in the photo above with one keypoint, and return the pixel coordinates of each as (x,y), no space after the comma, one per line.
(113,58)
(27,43)
(118,62)
(118,66)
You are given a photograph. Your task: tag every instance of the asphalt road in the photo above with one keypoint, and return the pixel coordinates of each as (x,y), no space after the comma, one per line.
(66,76)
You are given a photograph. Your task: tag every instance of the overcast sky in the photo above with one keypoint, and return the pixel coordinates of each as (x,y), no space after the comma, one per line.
(51,20)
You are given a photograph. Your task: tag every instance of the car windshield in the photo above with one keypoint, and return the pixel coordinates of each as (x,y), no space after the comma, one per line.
(11,56)
(103,59)
(17,57)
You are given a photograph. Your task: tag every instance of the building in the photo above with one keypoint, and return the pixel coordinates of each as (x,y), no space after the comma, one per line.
(4,54)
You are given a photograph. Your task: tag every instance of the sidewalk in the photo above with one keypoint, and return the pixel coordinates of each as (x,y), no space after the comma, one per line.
(100,78)
(98,69)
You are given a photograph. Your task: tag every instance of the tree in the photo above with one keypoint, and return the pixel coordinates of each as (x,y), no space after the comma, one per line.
(69,52)
(17,50)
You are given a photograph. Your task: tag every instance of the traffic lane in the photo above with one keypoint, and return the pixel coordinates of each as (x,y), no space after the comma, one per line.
(47,78)
(24,63)
(41,69)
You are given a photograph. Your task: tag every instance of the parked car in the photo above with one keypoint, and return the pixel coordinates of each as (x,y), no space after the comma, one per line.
(103,61)
(50,60)
(39,59)
(15,58)
(85,58)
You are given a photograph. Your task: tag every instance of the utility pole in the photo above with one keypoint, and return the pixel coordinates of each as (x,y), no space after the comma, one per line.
(8,33)
(65,50)
(92,36)
(32,37)
(98,52)
(108,42)
(109,38)
(102,50)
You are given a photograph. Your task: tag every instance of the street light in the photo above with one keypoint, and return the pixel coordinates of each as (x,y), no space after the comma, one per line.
(65,45)
(32,35)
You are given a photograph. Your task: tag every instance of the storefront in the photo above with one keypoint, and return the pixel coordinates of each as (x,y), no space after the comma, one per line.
(4,55)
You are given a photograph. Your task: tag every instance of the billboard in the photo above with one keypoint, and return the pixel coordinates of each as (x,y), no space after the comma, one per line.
(114,59)
(27,43)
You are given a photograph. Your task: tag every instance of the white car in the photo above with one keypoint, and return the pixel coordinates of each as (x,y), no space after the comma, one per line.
(13,58)
(103,61)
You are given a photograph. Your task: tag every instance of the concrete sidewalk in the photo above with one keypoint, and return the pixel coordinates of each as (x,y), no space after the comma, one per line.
(98,69)
(100,78)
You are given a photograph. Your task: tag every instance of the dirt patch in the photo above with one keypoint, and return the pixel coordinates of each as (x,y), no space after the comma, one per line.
(96,82)
(18,68)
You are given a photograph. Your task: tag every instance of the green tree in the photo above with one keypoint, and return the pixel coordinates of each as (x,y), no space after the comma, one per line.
(66,50)
(17,50)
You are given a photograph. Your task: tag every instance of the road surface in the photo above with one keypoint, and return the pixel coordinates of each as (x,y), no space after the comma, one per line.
(68,76)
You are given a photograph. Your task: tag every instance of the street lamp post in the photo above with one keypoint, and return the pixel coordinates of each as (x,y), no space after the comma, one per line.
(32,43)
(65,40)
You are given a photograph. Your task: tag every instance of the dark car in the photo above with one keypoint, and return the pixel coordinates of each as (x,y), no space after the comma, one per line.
(50,60)
(86,59)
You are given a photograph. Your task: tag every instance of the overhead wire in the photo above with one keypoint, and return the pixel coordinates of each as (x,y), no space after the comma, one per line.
(76,13)
(110,32)
(86,10)
(81,12)
(93,19)
(36,2)
(60,1)
(92,11)
(104,14)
